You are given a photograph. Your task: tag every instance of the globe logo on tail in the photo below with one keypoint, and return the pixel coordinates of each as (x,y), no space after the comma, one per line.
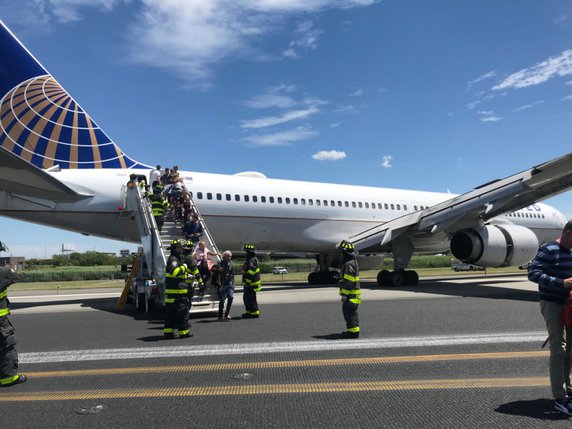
(42,124)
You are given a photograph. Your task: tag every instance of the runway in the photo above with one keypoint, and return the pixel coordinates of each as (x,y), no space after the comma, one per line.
(450,352)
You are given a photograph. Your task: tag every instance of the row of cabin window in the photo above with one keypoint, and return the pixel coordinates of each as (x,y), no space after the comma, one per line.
(518,214)
(302,201)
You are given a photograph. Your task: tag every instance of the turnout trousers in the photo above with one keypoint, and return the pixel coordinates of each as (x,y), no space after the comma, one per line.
(250,302)
(350,311)
(8,353)
(176,317)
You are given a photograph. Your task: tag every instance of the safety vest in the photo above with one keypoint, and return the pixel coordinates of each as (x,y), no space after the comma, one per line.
(175,285)
(4,310)
(349,281)
(251,275)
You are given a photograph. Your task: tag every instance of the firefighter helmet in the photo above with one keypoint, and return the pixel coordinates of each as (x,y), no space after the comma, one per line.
(347,247)
(175,244)
(249,247)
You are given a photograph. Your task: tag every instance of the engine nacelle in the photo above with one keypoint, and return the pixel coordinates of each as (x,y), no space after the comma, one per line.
(495,245)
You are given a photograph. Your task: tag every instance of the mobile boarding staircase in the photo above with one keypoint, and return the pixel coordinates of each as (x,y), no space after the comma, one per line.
(146,282)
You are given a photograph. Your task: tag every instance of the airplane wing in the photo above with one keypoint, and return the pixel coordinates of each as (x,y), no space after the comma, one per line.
(475,207)
(22,178)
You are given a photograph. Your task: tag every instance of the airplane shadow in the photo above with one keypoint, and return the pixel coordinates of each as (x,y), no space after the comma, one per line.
(478,288)
(541,409)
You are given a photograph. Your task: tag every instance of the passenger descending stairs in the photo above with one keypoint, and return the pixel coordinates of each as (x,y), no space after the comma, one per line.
(156,246)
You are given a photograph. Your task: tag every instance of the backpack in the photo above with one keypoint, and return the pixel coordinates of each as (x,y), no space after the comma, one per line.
(216,276)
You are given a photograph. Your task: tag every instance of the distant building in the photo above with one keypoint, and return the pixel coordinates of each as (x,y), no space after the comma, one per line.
(16,262)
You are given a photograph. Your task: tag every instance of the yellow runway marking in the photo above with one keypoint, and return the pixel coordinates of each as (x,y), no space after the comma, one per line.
(285,364)
(268,389)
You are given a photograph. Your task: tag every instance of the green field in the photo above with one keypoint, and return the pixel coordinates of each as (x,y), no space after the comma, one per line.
(266,278)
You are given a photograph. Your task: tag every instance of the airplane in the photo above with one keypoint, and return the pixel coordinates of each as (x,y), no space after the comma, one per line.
(59,169)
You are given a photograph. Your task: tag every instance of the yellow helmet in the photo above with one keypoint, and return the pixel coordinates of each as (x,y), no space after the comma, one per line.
(347,247)
(249,247)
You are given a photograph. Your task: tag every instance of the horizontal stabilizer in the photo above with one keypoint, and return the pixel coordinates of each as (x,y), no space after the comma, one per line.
(22,178)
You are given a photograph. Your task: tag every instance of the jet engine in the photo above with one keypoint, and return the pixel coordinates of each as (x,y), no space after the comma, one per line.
(495,245)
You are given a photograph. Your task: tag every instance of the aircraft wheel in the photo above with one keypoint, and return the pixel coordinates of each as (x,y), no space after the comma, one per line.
(313,278)
(383,278)
(334,277)
(397,278)
(411,278)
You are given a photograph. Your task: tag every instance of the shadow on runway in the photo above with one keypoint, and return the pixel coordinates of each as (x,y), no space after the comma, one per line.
(336,336)
(107,304)
(541,409)
(479,288)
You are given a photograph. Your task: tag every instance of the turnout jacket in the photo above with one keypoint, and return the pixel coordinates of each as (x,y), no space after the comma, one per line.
(349,281)
(176,289)
(251,275)
(7,277)
(158,204)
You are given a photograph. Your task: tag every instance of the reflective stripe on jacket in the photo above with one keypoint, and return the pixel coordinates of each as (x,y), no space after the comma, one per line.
(175,286)
(251,275)
(349,281)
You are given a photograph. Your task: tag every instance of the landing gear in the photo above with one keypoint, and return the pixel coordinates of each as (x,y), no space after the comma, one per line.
(397,278)
(324,276)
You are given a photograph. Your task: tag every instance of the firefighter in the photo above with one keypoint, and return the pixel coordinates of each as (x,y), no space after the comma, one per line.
(158,204)
(193,273)
(9,375)
(177,300)
(349,289)
(250,282)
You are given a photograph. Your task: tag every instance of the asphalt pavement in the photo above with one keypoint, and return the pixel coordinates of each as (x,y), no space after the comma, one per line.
(448,353)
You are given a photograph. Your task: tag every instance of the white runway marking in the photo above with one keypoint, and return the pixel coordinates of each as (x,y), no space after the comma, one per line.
(279,347)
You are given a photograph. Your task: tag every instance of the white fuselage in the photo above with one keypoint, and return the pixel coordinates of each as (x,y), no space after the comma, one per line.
(277,215)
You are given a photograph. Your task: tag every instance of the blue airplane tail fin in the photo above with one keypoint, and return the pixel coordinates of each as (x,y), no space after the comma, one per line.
(41,123)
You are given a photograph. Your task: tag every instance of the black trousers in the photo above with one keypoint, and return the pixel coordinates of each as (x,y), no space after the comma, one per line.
(249,299)
(8,353)
(159,220)
(177,316)
(350,311)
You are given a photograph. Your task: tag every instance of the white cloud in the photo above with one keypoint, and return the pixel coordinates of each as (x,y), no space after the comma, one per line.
(482,77)
(541,72)
(568,97)
(488,116)
(345,109)
(490,119)
(528,106)
(357,93)
(306,38)
(387,161)
(276,120)
(568,82)
(335,124)
(561,20)
(329,155)
(43,14)
(473,104)
(282,138)
(266,101)
(190,38)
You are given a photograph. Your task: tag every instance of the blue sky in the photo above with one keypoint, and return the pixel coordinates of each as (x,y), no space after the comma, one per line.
(417,94)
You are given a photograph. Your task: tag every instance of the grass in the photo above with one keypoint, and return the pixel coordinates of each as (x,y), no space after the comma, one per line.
(266,278)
